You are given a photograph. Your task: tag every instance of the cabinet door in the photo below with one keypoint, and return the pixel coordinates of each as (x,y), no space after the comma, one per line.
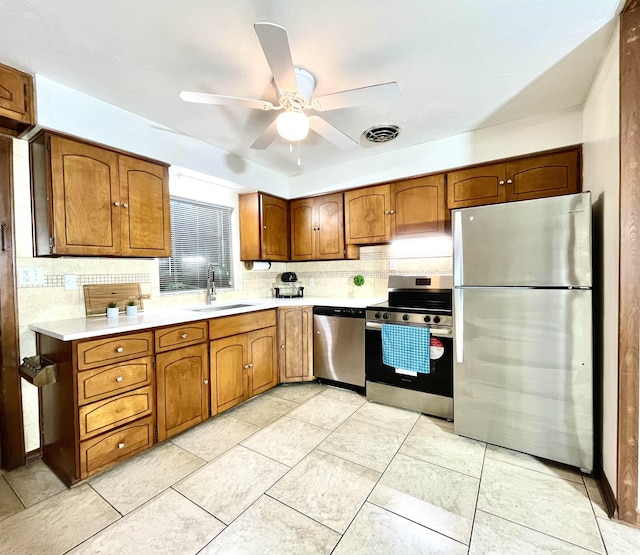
(144,206)
(262,356)
(419,207)
(84,181)
(275,228)
(182,378)
(543,176)
(329,227)
(15,95)
(476,186)
(303,229)
(295,341)
(228,372)
(366,214)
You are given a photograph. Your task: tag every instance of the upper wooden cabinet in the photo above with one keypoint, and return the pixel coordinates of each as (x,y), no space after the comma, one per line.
(317,228)
(264,227)
(419,207)
(367,215)
(93,201)
(17,113)
(543,175)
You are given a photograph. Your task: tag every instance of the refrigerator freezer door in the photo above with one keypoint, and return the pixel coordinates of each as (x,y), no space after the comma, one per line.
(537,243)
(523,373)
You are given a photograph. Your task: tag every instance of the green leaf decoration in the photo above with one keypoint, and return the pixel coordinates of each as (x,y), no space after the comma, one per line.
(358,280)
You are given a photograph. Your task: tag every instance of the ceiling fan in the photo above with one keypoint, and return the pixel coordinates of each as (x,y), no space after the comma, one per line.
(294,87)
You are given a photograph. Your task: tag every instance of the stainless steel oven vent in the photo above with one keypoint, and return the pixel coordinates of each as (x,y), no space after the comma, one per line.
(381,133)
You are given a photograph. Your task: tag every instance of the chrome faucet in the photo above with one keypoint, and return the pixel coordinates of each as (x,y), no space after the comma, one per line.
(211,284)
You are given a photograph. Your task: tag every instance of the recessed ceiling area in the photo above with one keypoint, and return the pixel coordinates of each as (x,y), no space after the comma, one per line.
(461,64)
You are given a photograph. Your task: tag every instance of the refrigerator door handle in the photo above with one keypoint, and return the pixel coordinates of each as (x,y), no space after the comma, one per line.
(458,327)
(457,247)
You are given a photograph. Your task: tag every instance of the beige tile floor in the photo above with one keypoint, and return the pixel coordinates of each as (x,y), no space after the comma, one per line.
(316,470)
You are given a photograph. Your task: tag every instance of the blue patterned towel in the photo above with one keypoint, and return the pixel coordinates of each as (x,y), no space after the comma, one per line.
(406,347)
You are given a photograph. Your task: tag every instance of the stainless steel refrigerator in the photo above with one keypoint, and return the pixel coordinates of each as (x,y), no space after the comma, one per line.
(523,366)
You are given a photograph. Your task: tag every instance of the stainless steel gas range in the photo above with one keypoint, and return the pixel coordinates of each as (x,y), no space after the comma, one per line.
(419,301)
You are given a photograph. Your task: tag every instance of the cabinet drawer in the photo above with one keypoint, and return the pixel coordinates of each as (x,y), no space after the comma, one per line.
(178,336)
(103,451)
(107,381)
(105,415)
(242,323)
(99,352)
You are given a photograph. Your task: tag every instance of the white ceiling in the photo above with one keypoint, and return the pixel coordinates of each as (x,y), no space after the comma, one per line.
(461,64)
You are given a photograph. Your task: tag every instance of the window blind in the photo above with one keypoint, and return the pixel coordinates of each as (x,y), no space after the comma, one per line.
(200,235)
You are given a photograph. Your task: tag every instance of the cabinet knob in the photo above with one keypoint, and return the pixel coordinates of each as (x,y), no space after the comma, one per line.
(119,379)
(501,182)
(121,445)
(125,205)
(246,366)
(206,382)
(386,212)
(184,336)
(119,349)
(509,181)
(264,227)
(392,211)
(251,365)
(116,203)
(282,346)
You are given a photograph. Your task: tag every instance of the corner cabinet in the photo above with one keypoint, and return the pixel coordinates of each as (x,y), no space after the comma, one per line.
(17,112)
(295,337)
(528,177)
(92,201)
(264,227)
(243,357)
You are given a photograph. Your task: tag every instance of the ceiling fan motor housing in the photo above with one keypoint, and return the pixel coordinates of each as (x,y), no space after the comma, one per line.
(302,98)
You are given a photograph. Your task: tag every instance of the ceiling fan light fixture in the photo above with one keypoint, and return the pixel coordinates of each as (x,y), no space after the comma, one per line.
(293,125)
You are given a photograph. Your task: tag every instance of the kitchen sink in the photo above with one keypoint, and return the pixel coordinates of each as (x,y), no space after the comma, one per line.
(216,308)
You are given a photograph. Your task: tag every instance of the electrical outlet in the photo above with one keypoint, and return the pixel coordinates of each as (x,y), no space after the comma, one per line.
(70,282)
(392,265)
(31,277)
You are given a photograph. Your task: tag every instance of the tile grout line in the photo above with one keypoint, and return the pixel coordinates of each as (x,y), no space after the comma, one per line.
(475,509)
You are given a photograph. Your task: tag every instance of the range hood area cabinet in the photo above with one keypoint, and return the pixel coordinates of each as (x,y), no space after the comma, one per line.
(264,227)
(89,200)
(17,113)
(524,178)
(404,209)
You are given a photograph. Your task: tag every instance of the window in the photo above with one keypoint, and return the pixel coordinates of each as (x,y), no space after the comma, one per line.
(200,235)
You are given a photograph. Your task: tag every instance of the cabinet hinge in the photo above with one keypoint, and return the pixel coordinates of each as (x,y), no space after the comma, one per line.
(52,244)
(26,98)
(154,363)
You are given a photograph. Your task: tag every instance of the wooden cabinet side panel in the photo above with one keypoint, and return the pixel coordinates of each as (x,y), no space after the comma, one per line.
(263,360)
(329,210)
(307,344)
(302,229)
(228,360)
(41,196)
(419,207)
(543,176)
(84,182)
(476,186)
(366,213)
(182,389)
(275,228)
(145,208)
(250,226)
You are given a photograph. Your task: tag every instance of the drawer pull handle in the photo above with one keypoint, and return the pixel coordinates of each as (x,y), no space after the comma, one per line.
(184,336)
(119,379)
(206,382)
(119,349)
(121,445)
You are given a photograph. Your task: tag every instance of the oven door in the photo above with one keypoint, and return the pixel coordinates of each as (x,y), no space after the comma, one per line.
(438,382)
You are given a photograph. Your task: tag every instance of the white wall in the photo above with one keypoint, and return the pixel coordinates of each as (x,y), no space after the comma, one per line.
(602,177)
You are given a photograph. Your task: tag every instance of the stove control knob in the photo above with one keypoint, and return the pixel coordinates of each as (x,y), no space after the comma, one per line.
(427,319)
(385,316)
(377,315)
(405,317)
(436,320)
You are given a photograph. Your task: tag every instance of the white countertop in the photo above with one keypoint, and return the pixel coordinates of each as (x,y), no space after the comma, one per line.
(96,326)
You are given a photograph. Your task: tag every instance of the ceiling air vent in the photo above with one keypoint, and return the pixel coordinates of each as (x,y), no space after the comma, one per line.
(381,133)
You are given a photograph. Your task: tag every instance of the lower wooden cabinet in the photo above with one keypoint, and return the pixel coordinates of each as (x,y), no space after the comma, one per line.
(262,357)
(295,339)
(182,389)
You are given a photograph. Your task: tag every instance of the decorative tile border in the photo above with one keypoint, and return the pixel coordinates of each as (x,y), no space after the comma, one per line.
(91,279)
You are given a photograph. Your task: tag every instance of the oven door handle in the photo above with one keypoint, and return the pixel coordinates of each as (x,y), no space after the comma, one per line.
(438,332)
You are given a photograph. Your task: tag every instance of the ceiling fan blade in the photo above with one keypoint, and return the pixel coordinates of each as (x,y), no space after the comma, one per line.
(275,44)
(385,92)
(206,98)
(267,137)
(323,128)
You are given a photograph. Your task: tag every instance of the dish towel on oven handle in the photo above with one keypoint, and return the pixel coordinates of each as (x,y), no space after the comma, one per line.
(406,347)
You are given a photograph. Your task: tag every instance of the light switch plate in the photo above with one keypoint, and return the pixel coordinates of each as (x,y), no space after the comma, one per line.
(392,265)
(31,277)
(70,282)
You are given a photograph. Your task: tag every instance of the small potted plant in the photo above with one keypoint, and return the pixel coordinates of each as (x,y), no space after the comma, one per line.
(132,307)
(112,310)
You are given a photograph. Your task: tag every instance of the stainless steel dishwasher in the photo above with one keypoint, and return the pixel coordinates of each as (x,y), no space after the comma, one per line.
(338,345)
